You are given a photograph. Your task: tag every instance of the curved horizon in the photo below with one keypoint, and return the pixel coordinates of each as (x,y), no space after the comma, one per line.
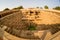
(28,3)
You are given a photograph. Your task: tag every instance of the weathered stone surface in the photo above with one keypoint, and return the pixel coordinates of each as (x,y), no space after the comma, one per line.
(1,33)
(17,27)
(13,20)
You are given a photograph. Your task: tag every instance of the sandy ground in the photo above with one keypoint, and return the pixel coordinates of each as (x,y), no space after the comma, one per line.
(56,36)
(7,36)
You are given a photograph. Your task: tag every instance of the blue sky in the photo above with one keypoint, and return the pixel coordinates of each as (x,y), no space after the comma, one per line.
(28,3)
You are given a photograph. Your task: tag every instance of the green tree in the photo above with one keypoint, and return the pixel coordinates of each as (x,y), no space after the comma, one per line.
(31,27)
(6,9)
(37,7)
(57,8)
(14,8)
(20,7)
(46,7)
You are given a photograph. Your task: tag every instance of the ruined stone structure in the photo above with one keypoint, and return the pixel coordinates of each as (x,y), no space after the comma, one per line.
(40,16)
(16,25)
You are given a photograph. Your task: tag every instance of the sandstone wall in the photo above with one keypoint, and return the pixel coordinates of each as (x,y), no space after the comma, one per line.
(43,17)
